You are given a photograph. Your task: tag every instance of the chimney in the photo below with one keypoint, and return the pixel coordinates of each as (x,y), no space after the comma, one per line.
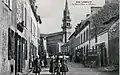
(95,9)
(111,1)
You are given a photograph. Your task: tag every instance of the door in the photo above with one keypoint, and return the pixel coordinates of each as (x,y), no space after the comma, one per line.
(18,54)
(102,54)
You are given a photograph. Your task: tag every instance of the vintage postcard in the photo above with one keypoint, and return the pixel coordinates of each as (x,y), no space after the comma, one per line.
(59,37)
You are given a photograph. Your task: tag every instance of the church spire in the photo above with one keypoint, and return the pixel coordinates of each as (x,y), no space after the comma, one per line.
(66,5)
(66,23)
(66,11)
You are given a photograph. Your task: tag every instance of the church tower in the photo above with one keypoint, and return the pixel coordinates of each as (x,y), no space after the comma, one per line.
(66,27)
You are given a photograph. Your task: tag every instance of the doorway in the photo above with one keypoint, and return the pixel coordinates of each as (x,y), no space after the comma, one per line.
(102,56)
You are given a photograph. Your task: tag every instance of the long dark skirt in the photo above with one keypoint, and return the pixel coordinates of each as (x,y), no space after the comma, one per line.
(51,69)
(36,70)
(64,68)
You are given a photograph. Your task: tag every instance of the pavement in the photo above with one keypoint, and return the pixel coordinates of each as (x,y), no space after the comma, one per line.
(79,69)
(107,69)
(44,71)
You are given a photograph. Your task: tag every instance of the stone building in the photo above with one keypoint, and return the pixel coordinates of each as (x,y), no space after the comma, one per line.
(20,35)
(99,32)
(5,21)
(81,42)
(99,46)
(53,41)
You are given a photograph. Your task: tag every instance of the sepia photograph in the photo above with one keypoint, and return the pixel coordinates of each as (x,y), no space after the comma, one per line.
(59,37)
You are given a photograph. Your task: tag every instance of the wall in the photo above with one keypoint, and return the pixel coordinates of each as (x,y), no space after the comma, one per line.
(31,36)
(100,39)
(4,24)
(53,41)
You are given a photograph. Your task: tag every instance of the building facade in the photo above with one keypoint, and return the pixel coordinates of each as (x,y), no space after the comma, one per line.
(54,41)
(20,22)
(94,35)
(5,21)
(100,32)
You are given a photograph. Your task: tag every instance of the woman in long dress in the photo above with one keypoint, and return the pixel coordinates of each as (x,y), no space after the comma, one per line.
(37,66)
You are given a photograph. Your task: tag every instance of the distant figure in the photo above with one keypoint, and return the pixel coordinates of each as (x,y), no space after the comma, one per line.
(51,70)
(63,67)
(36,66)
(45,61)
(70,58)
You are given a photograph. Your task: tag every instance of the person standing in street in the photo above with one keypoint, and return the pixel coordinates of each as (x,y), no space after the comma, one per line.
(37,66)
(51,70)
(70,58)
(64,67)
(45,61)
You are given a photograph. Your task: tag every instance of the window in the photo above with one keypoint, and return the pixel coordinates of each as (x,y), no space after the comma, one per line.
(81,38)
(84,36)
(10,44)
(25,17)
(87,50)
(34,30)
(68,17)
(25,50)
(31,25)
(84,50)
(68,24)
(93,49)
(87,34)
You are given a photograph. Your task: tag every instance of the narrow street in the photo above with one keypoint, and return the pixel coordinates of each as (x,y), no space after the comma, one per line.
(79,69)
(43,36)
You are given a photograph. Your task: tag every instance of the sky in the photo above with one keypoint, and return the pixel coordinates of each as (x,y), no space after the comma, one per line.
(51,12)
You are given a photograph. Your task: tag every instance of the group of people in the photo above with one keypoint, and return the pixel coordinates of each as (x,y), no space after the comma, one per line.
(58,66)
(37,64)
